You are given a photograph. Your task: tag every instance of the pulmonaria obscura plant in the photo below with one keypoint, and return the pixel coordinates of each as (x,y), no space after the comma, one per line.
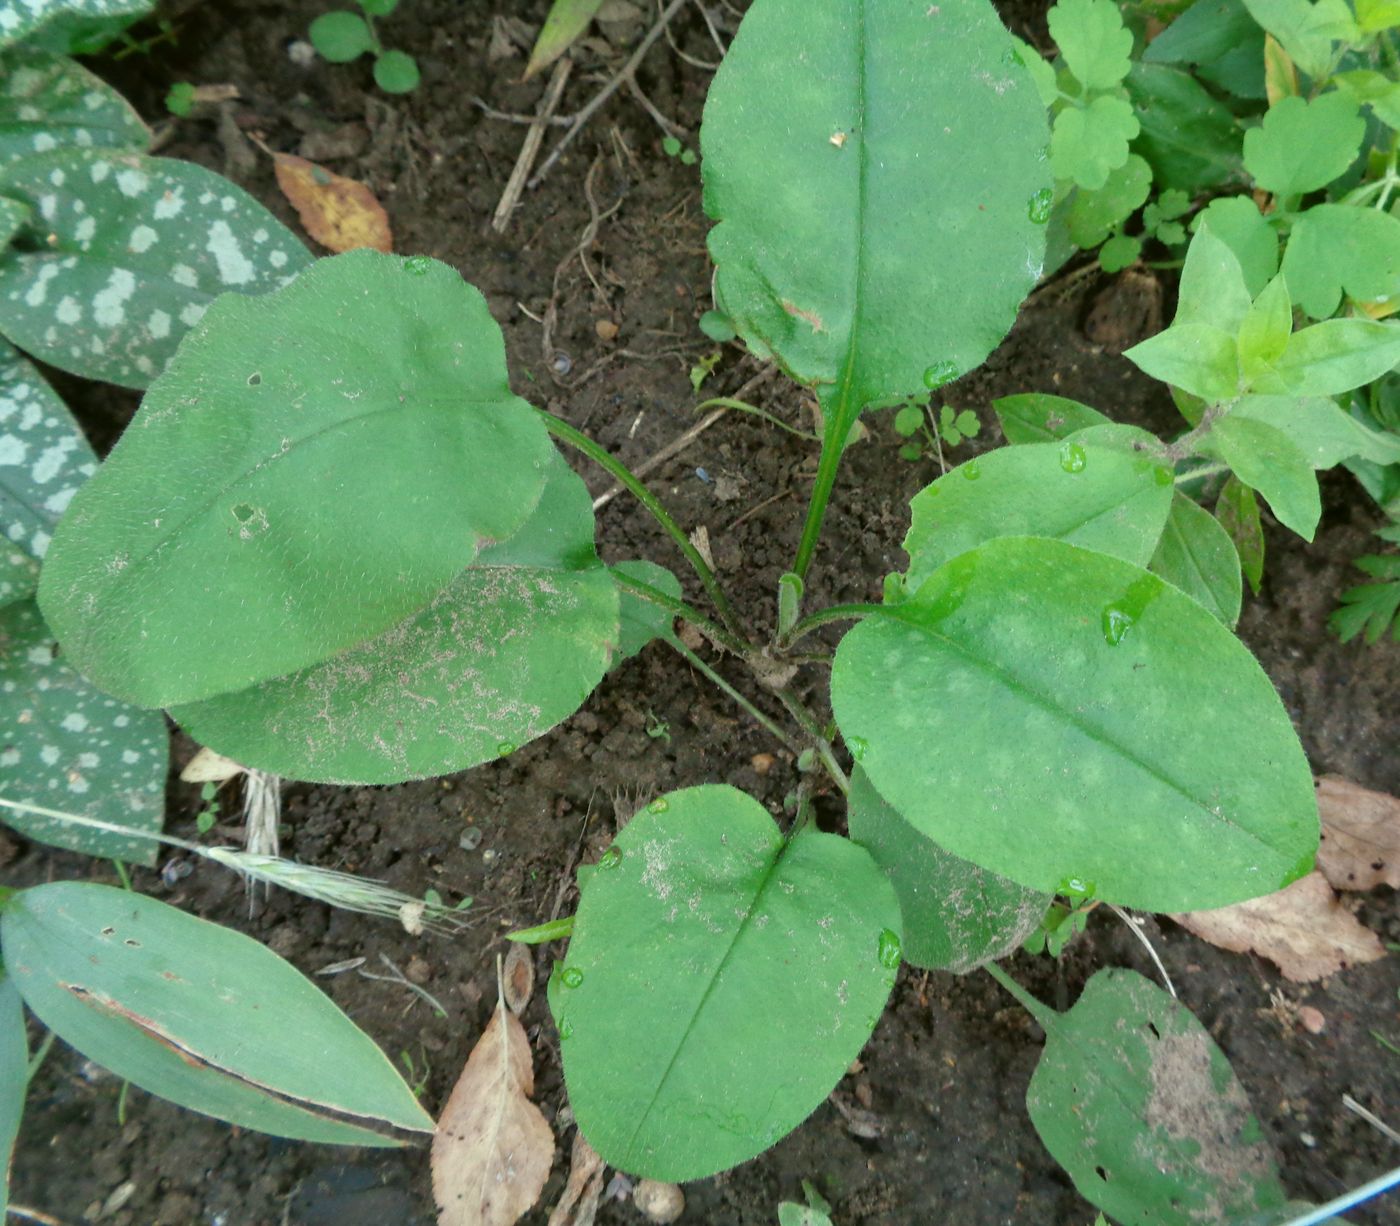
(335,545)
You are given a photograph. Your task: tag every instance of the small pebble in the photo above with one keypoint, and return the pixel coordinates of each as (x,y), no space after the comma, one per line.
(659,1202)
(301,53)
(1311,1020)
(762,763)
(606,330)
(471,838)
(1306,1138)
(561,362)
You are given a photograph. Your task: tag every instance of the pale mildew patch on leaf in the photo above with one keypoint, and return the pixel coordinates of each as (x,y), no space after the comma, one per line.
(67,746)
(133,250)
(50,101)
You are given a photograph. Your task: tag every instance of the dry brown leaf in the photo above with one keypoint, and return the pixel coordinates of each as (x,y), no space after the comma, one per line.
(1360,835)
(1303,929)
(339,213)
(578,1203)
(518,979)
(493,1148)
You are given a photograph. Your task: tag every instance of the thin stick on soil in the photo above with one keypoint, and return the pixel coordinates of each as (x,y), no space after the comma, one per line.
(1377,1123)
(614,84)
(530,150)
(679,444)
(1142,936)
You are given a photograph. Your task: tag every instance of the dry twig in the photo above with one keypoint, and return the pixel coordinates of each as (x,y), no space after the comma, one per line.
(530,149)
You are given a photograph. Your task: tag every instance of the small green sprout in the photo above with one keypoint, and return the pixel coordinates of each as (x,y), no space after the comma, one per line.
(342,36)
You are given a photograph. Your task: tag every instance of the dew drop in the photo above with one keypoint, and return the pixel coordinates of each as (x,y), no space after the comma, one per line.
(1116,623)
(939,373)
(1040,206)
(889,949)
(571,976)
(417,264)
(243,512)
(1072,458)
(971,470)
(858,746)
(254,379)
(1162,476)
(610,858)
(659,805)
(505,749)
(566,1029)
(1076,885)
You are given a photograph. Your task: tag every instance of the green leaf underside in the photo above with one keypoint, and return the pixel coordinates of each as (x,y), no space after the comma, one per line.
(723,982)
(1190,139)
(44,458)
(1197,555)
(49,100)
(1033,417)
(640,621)
(1035,708)
(956,916)
(1137,1103)
(126,253)
(65,745)
(511,646)
(14,1079)
(866,231)
(230,537)
(1088,495)
(1338,249)
(200,1015)
(19,21)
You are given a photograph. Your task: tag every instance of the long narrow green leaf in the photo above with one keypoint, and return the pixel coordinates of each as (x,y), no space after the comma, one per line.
(567,19)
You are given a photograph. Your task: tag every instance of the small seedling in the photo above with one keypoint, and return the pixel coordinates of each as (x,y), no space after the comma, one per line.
(206,819)
(658,729)
(674,148)
(179,100)
(342,36)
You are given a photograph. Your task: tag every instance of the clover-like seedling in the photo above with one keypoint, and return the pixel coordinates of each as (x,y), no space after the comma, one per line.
(342,36)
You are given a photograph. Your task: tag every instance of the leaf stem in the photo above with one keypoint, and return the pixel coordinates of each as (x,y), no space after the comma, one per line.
(1206,470)
(743,406)
(624,475)
(839,420)
(724,687)
(836,613)
(717,634)
(808,722)
(1042,1013)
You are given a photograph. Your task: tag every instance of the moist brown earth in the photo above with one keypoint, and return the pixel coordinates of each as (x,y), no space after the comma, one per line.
(932,1128)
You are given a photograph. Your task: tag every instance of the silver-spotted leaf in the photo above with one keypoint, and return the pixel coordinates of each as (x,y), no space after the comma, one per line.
(201,1015)
(48,101)
(1036,708)
(126,252)
(14,1078)
(867,231)
(44,458)
(1094,496)
(1198,556)
(956,916)
(63,19)
(234,535)
(1134,1099)
(510,647)
(719,982)
(65,745)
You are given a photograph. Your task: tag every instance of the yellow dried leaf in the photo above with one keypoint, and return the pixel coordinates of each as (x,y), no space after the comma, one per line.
(339,213)
(1360,835)
(1303,929)
(493,1147)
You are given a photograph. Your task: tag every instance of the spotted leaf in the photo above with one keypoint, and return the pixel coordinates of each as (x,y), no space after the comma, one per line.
(64,22)
(43,459)
(123,256)
(49,102)
(65,745)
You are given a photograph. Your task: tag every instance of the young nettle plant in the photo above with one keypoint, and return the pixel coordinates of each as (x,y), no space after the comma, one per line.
(334,545)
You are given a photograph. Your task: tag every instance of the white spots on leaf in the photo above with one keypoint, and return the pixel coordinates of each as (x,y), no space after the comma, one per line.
(39,544)
(228,204)
(48,206)
(39,656)
(171,204)
(84,231)
(109,307)
(192,314)
(10,757)
(13,451)
(159,325)
(37,292)
(98,171)
(183,274)
(43,142)
(57,177)
(129,756)
(51,460)
(260,235)
(74,721)
(278,259)
(49,755)
(68,310)
(132,182)
(234,267)
(142,239)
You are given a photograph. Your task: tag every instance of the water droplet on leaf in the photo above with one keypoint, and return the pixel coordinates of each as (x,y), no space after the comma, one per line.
(1162,476)
(659,805)
(571,976)
(889,949)
(566,1029)
(417,264)
(1116,623)
(1073,458)
(505,749)
(610,858)
(1040,206)
(971,470)
(858,746)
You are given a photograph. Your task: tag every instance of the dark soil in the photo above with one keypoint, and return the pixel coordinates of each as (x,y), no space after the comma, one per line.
(944,1076)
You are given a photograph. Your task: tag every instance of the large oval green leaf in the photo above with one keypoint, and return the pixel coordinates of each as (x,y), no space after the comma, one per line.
(124,253)
(511,647)
(50,100)
(315,466)
(956,916)
(1134,1099)
(44,458)
(67,746)
(870,228)
(1094,496)
(719,982)
(200,1015)
(1051,714)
